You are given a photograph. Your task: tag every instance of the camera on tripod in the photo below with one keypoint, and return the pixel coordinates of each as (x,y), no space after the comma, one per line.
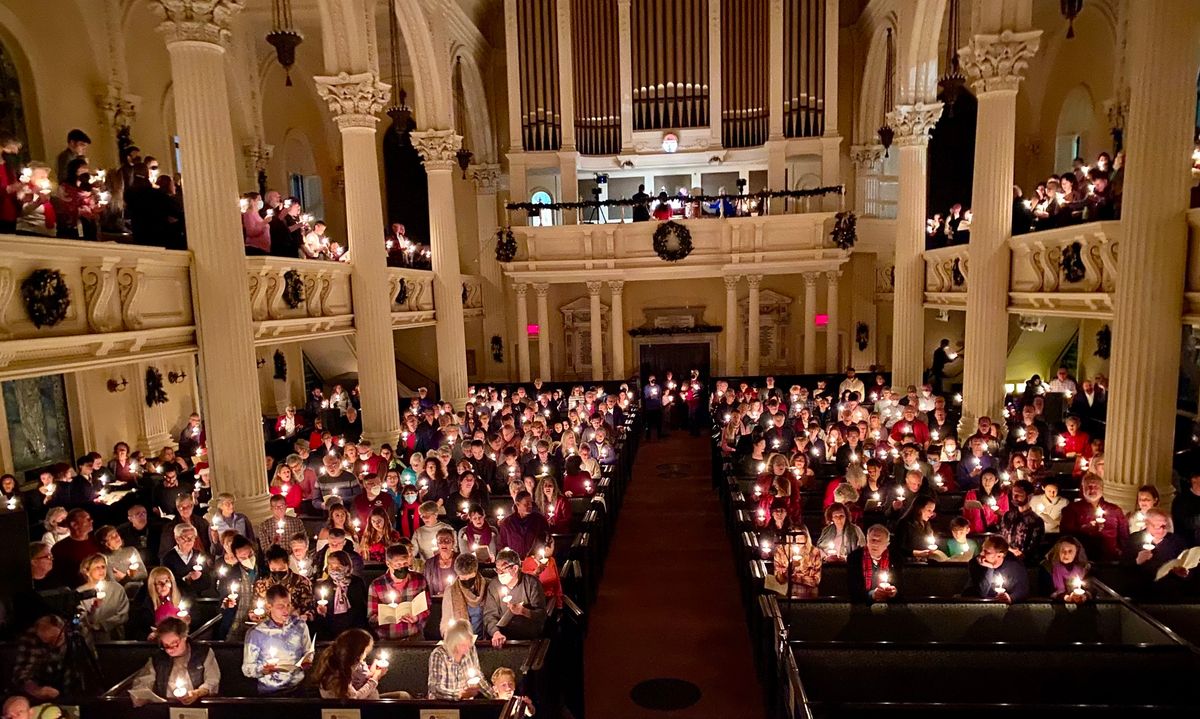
(596,213)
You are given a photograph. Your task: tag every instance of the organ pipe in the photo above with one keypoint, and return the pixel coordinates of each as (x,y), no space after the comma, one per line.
(597,77)
(804,68)
(744,83)
(670,63)
(541,127)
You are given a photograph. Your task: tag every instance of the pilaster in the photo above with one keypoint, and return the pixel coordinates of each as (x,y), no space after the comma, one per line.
(616,328)
(810,322)
(487,183)
(595,322)
(831,329)
(520,289)
(754,326)
(731,328)
(545,369)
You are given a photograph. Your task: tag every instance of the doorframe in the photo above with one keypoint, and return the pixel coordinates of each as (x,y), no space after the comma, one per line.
(698,338)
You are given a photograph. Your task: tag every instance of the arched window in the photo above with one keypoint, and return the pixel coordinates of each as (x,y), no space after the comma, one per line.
(1078,133)
(12,108)
(545,218)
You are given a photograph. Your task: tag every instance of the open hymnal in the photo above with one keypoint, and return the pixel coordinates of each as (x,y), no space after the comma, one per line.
(483,554)
(1189,559)
(145,696)
(392,613)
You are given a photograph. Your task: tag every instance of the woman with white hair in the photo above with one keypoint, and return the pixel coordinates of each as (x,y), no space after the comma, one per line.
(454,665)
(224,517)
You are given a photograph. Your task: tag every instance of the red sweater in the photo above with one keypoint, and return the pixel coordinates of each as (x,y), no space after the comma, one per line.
(1101,540)
(918,429)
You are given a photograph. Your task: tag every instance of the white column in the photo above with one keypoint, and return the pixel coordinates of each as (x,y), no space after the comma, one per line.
(810,322)
(196,33)
(597,328)
(832,68)
(437,149)
(523,373)
(616,327)
(512,69)
(714,73)
(625,75)
(355,101)
(487,181)
(912,124)
(868,164)
(995,65)
(1148,306)
(753,343)
(543,317)
(731,328)
(775,75)
(831,329)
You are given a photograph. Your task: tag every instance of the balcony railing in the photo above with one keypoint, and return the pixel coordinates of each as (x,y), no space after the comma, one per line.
(298,298)
(773,239)
(412,297)
(1068,271)
(125,301)
(947,272)
(472,297)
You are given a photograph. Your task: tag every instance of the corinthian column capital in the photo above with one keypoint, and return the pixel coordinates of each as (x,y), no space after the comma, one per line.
(487,178)
(996,63)
(913,123)
(196,20)
(355,100)
(437,148)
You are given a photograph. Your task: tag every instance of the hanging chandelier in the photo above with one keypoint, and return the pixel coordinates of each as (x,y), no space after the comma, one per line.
(460,118)
(283,37)
(886,133)
(1071,10)
(953,82)
(399,110)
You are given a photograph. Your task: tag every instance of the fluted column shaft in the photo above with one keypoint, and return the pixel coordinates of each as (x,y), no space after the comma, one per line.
(596,327)
(523,373)
(487,181)
(1148,305)
(995,65)
(753,341)
(196,34)
(831,329)
(810,322)
(912,124)
(616,327)
(355,101)
(731,328)
(543,317)
(437,149)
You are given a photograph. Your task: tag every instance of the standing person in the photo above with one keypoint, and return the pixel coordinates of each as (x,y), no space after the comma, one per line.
(70,551)
(398,584)
(652,401)
(641,206)
(10,182)
(276,649)
(77,146)
(942,356)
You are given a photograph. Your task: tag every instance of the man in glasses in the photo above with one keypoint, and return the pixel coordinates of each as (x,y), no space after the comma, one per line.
(41,670)
(177,673)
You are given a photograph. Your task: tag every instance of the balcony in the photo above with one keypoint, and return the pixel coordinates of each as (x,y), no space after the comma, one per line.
(412,297)
(1066,272)
(125,303)
(778,244)
(293,299)
(472,297)
(947,271)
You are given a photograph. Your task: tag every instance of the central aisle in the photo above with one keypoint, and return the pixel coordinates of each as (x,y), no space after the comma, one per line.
(669,604)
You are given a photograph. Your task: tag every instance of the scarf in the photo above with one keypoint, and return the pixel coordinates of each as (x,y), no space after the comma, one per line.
(341,600)
(869,567)
(463,596)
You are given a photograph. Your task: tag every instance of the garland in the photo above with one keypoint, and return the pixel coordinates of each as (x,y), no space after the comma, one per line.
(155,394)
(293,289)
(506,245)
(46,297)
(280,366)
(1072,263)
(1103,342)
(693,330)
(761,196)
(844,233)
(683,240)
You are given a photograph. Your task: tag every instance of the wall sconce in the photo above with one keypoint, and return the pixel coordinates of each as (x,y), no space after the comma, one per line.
(117,385)
(259,362)
(176,377)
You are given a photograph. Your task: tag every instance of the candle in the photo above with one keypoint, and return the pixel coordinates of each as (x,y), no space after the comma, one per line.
(874,496)
(472,677)
(999,585)
(272,655)
(12,503)
(260,607)
(392,598)
(233,591)
(766,548)
(1040,508)
(1077,584)
(499,514)
(931,542)
(302,565)
(934,435)
(381,661)
(831,548)
(324,600)
(180,688)
(899,493)
(279,526)
(283,490)
(199,565)
(182,612)
(133,563)
(1148,544)
(357,524)
(761,514)
(100,590)
(883,580)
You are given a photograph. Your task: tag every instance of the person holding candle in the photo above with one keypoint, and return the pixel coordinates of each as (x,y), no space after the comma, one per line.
(276,649)
(542,564)
(904,494)
(237,589)
(178,672)
(1065,569)
(342,671)
(797,564)
(425,537)
(224,516)
(997,574)
(341,598)
(454,672)
(398,584)
(338,542)
(1157,544)
(478,534)
(105,613)
(285,485)
(189,565)
(1049,505)
(439,569)
(125,565)
(1020,526)
(468,492)
(553,505)
(914,533)
(1147,499)
(1097,523)
(959,548)
(971,467)
(464,598)
(55,526)
(299,587)
(840,535)
(515,604)
(871,574)
(984,506)
(378,535)
(158,599)
(339,518)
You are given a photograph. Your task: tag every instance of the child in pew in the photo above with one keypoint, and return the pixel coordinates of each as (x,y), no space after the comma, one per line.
(424,539)
(959,548)
(277,650)
(1065,570)
(504,686)
(342,671)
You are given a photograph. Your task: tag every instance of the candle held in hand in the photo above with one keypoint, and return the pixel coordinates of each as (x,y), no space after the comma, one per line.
(180,690)
(381,661)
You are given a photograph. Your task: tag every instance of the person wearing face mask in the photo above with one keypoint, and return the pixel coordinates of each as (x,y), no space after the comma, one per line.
(237,603)
(514,606)
(337,542)
(399,584)
(463,600)
(299,587)
(75,205)
(408,513)
(256,232)
(345,597)
(373,497)
(10,182)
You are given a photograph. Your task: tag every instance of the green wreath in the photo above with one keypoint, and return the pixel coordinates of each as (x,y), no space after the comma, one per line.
(662,241)
(506,245)
(46,297)
(293,289)
(155,394)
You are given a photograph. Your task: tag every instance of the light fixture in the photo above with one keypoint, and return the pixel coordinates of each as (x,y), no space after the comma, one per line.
(117,385)
(259,362)
(176,377)
(1071,10)
(670,143)
(399,110)
(943,316)
(953,82)
(886,133)
(283,37)
(464,160)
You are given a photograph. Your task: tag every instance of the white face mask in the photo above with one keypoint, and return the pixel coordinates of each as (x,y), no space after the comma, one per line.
(504,577)
(248,563)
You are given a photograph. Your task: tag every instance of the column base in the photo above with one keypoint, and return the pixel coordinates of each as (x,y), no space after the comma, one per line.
(152,445)
(256,507)
(378,439)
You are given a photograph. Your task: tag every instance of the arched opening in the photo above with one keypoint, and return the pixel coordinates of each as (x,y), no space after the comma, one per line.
(1076,133)
(952,157)
(544,218)
(405,180)
(300,168)
(12,106)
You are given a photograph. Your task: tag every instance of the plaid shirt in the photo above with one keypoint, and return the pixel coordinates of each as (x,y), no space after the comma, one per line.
(406,591)
(43,665)
(267,532)
(448,678)
(299,589)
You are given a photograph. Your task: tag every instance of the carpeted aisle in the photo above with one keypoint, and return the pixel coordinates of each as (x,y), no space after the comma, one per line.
(668,605)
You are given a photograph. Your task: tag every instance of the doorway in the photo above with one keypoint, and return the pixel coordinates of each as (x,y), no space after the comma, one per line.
(680,359)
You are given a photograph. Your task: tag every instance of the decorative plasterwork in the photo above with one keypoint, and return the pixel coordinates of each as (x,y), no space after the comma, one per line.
(487,178)
(867,158)
(196,20)
(996,63)
(355,100)
(913,123)
(437,148)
